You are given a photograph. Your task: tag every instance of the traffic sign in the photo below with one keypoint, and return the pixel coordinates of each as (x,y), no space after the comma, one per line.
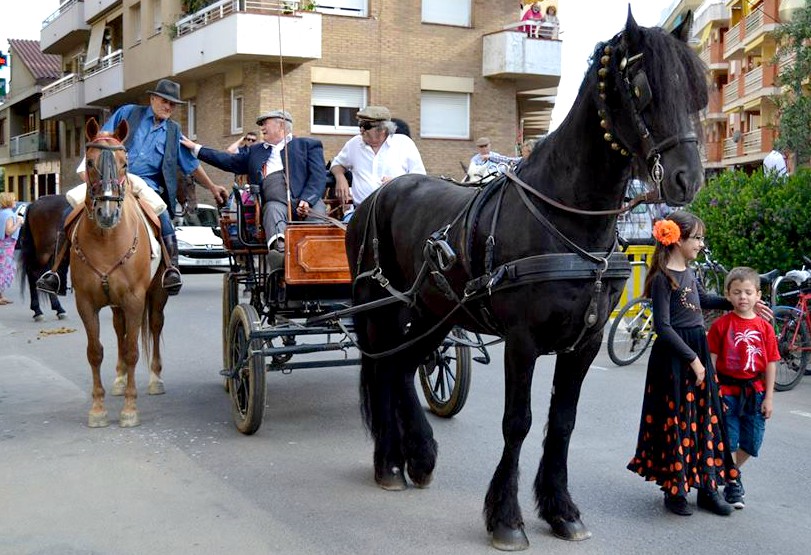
(3,60)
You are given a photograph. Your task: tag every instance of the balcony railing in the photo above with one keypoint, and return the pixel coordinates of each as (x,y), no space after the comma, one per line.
(754,21)
(224,8)
(752,142)
(705,56)
(110,60)
(509,54)
(753,80)
(60,85)
(535,29)
(733,40)
(31,143)
(730,148)
(731,92)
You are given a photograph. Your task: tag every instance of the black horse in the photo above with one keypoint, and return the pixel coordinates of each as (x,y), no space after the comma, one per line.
(531,258)
(44,222)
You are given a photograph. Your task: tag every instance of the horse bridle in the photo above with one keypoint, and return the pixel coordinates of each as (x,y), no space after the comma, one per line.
(638,89)
(112,188)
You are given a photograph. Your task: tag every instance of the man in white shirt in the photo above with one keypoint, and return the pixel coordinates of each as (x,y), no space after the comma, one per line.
(374,157)
(775,163)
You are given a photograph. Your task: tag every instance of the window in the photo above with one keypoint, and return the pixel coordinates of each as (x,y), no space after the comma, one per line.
(444,115)
(446,12)
(156,16)
(357,8)
(236,110)
(334,108)
(2,131)
(192,117)
(135,22)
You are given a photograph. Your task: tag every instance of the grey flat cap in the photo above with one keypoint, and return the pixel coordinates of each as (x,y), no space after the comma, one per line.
(483,141)
(274,114)
(375,113)
(169,90)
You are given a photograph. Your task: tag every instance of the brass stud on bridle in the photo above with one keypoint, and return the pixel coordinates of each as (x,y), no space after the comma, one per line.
(602,73)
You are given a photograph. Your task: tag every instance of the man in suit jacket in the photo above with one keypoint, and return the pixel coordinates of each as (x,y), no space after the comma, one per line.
(269,164)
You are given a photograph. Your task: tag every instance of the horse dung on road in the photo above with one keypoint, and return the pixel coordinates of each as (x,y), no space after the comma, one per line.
(531,257)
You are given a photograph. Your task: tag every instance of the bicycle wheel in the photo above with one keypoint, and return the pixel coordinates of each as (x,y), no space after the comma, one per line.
(631,332)
(792,333)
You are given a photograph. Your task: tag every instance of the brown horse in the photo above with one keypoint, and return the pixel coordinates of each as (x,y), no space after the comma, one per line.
(111,265)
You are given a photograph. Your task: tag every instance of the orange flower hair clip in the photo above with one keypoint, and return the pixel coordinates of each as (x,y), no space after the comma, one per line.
(666,232)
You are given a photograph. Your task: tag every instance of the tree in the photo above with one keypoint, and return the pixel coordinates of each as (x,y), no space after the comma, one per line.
(794,37)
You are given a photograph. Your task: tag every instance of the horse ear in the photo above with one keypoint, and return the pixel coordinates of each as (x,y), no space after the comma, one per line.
(122,130)
(632,35)
(91,129)
(682,32)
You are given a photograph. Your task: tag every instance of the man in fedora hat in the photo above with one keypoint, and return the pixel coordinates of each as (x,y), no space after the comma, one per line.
(155,155)
(281,161)
(375,156)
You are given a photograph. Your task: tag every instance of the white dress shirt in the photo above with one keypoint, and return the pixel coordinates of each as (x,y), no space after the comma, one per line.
(397,156)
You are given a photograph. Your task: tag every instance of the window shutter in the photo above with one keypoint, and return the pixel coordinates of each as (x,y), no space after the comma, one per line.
(448,12)
(445,114)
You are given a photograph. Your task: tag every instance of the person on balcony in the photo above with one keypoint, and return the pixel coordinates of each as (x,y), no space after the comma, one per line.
(535,15)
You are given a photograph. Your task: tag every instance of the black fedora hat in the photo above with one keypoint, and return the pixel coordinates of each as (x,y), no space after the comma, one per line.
(169,90)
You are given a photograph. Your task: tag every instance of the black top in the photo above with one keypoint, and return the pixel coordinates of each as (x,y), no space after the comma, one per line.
(681,308)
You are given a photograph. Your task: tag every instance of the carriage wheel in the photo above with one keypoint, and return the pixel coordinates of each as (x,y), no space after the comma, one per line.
(230,296)
(247,387)
(445,377)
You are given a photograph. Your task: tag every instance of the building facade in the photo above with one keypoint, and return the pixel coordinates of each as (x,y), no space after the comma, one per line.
(454,70)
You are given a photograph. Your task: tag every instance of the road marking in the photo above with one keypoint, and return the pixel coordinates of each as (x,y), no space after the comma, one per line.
(599,368)
(801,413)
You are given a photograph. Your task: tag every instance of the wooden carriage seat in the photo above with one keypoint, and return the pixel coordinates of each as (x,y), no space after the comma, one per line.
(315,254)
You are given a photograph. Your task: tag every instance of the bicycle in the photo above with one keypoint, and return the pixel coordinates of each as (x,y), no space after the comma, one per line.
(792,325)
(631,332)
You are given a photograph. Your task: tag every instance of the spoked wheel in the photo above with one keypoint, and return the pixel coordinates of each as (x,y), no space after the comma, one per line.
(230,295)
(631,332)
(790,325)
(247,387)
(445,377)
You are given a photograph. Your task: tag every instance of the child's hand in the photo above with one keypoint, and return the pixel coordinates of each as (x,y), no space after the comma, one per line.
(766,408)
(698,370)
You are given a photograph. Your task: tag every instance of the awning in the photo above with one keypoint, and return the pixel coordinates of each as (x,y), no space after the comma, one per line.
(94,45)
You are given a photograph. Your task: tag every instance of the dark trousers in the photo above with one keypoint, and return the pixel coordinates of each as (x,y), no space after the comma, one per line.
(274,209)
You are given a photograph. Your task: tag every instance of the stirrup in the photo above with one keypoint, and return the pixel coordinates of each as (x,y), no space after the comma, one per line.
(49,283)
(171,281)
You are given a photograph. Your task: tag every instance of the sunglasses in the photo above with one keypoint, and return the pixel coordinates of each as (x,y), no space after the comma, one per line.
(366,125)
(249,140)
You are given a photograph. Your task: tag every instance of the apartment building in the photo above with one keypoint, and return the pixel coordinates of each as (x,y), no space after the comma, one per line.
(29,146)
(454,70)
(735,38)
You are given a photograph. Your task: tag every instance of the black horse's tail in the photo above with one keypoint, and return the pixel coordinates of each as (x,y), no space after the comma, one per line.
(28,255)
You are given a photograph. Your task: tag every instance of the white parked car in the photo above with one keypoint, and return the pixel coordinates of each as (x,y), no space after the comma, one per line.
(198,240)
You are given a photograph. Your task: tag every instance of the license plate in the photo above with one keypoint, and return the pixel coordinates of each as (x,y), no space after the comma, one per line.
(209,261)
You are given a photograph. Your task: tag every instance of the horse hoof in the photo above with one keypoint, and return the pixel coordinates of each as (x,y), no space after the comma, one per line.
(572,530)
(117,389)
(62,315)
(38,317)
(156,388)
(97,420)
(423,482)
(391,481)
(509,539)
(129,420)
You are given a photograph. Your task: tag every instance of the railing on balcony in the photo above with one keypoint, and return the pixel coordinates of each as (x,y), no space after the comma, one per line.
(535,29)
(753,80)
(787,60)
(730,148)
(65,6)
(732,40)
(752,142)
(754,21)
(705,55)
(31,143)
(731,92)
(224,8)
(110,60)
(60,85)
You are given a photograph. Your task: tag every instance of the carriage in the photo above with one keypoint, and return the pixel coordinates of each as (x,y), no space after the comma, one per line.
(276,309)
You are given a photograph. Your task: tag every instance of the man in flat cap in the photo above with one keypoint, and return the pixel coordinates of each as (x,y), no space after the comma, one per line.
(374,157)
(154,154)
(279,161)
(482,168)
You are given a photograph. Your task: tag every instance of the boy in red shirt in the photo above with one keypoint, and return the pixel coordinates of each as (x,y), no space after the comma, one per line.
(744,352)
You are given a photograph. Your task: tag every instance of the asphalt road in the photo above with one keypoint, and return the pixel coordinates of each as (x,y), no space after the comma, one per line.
(186,481)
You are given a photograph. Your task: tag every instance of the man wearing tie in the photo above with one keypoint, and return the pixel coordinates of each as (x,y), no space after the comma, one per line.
(270,164)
